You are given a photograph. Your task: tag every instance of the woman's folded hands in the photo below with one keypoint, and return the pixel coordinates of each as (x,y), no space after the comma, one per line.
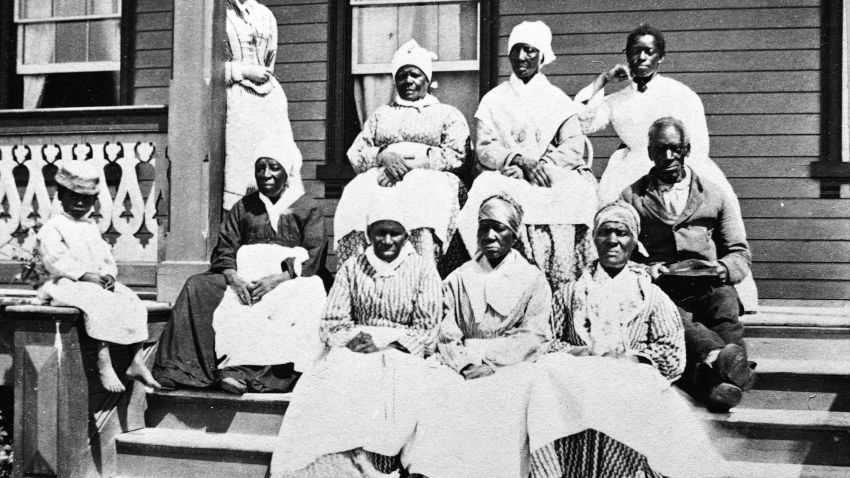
(252,292)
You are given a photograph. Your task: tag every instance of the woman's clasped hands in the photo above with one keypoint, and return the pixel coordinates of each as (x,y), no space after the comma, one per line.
(252,292)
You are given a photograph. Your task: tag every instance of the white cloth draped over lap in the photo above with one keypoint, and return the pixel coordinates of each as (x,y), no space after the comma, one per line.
(352,400)
(283,326)
(117,317)
(424,198)
(630,403)
(472,428)
(570,200)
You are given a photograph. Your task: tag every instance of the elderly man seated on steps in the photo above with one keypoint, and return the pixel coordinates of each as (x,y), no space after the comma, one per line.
(697,249)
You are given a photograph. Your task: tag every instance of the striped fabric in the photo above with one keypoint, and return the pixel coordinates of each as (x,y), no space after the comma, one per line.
(411,298)
(655,332)
(251,40)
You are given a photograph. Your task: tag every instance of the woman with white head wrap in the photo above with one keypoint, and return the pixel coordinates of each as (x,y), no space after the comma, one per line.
(529,144)
(268,238)
(411,146)
(355,412)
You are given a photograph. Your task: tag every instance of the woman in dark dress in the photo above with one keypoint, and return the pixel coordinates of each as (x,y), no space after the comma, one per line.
(279,213)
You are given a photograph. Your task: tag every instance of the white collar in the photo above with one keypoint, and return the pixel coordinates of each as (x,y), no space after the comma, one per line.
(419,104)
(499,287)
(275,210)
(388,269)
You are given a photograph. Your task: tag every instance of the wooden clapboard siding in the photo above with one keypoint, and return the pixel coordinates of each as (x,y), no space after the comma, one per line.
(756,64)
(152,54)
(302,69)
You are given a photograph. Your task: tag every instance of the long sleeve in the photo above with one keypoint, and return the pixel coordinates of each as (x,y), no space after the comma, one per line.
(533,335)
(452,151)
(489,148)
(567,148)
(336,318)
(693,116)
(363,153)
(106,259)
(450,338)
(56,256)
(425,317)
(271,47)
(665,341)
(731,239)
(314,239)
(229,240)
(594,118)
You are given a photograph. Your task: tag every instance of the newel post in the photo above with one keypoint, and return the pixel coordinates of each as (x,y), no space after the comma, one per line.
(51,391)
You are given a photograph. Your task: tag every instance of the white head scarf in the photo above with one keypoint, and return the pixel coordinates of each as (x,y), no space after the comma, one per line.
(412,54)
(387,211)
(536,34)
(284,152)
(623,213)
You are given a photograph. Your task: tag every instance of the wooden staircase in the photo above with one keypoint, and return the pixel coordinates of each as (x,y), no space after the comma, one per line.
(794,423)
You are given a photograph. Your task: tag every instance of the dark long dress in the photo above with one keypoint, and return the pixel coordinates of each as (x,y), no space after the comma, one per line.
(186,354)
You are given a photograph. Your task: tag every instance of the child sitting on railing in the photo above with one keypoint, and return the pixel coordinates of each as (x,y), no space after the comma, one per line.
(82,274)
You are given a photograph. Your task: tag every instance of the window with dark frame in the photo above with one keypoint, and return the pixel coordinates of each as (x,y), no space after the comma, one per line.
(469,63)
(65,53)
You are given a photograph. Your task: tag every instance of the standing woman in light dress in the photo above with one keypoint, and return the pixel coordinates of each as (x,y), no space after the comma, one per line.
(530,145)
(256,103)
(406,154)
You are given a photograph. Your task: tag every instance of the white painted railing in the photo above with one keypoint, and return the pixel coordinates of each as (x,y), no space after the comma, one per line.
(132,193)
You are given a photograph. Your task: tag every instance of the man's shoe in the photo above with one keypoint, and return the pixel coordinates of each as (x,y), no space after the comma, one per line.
(732,366)
(723,397)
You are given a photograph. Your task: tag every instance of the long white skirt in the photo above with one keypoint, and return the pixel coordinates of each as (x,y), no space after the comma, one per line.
(350,401)
(474,427)
(630,403)
(117,317)
(426,199)
(250,118)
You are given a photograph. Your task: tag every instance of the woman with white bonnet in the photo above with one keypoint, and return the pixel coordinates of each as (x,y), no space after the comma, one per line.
(269,238)
(256,104)
(530,145)
(407,150)
(354,413)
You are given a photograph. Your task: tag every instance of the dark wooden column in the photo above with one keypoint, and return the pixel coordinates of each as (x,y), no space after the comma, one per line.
(197,109)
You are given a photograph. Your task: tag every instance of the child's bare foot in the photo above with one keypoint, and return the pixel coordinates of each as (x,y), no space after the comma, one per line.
(141,374)
(108,377)
(110,380)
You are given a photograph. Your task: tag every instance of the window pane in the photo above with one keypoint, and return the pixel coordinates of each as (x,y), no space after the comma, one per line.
(69,8)
(36,8)
(104,41)
(70,42)
(378,27)
(104,7)
(448,29)
(38,43)
(421,23)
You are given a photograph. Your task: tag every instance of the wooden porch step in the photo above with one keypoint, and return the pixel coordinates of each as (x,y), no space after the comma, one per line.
(161,452)
(781,436)
(217,412)
(743,469)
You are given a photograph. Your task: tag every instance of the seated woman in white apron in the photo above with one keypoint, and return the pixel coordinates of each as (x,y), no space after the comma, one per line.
(357,409)
(225,322)
(496,322)
(410,146)
(529,145)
